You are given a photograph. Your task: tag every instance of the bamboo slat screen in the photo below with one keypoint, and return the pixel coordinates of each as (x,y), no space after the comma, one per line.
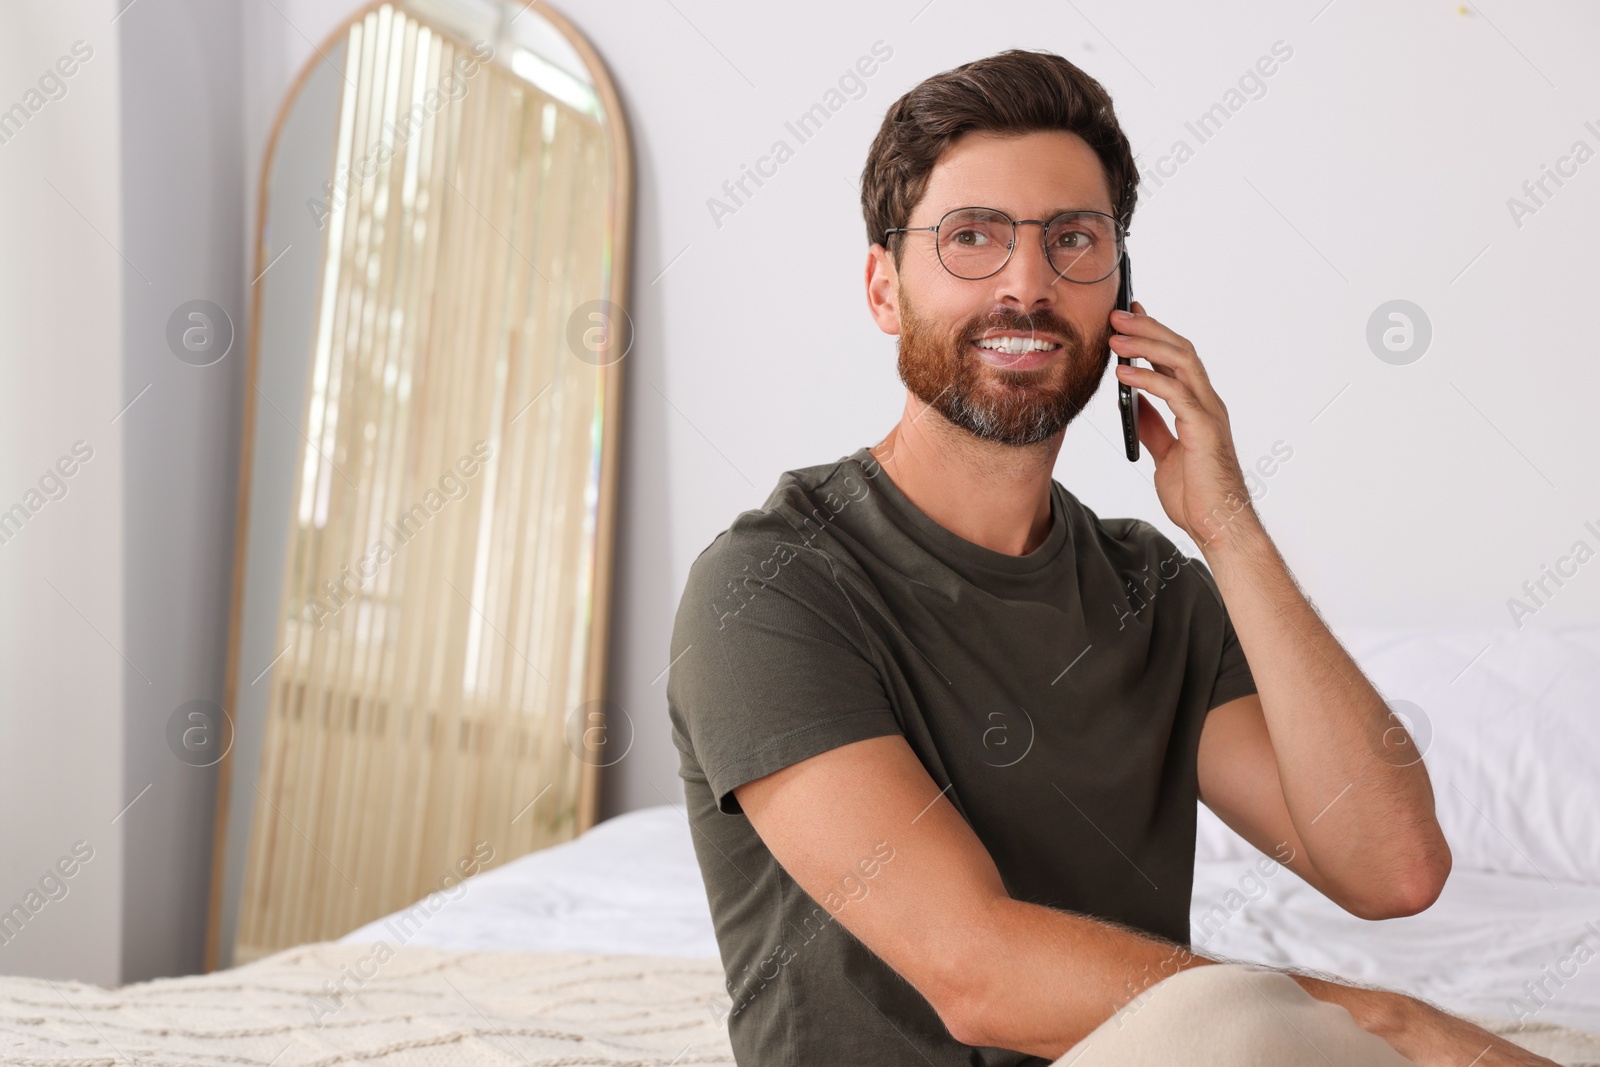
(433,686)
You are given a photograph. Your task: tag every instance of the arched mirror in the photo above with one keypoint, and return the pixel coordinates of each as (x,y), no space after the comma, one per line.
(427,500)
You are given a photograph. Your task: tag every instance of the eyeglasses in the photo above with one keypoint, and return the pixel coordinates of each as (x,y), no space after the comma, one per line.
(976,242)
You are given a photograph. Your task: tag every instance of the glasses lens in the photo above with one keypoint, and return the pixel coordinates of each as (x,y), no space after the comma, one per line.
(1083,246)
(974,242)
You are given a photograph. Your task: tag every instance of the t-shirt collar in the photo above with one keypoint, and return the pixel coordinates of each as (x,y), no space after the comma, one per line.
(954,549)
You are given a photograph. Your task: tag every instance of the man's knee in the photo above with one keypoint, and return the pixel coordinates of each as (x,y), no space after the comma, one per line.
(1231,1009)
(1219,985)
(1231,1013)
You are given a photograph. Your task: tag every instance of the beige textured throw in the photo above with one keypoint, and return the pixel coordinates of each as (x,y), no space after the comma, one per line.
(327,1003)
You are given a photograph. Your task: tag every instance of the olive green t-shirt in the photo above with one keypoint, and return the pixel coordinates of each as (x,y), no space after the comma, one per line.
(1057,696)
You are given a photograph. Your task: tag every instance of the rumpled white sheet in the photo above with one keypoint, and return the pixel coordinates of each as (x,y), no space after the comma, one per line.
(1506,720)
(629,885)
(1473,952)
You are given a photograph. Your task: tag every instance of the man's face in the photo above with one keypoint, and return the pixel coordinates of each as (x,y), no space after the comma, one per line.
(1010,399)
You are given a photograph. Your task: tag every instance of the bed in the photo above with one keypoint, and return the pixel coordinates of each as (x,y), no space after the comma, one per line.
(600,951)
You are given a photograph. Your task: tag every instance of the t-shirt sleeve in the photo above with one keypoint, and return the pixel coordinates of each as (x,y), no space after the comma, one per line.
(1233,679)
(770,664)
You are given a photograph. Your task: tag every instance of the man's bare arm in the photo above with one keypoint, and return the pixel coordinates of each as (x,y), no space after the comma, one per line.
(1362,806)
(1353,786)
(1239,780)
(1003,973)
(938,914)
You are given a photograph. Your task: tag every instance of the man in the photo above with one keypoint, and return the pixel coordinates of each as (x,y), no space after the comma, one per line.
(943,729)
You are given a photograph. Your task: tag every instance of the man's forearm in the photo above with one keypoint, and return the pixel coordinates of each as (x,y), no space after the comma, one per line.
(1080,971)
(1417,1030)
(1353,782)
(1049,977)
(1377,1011)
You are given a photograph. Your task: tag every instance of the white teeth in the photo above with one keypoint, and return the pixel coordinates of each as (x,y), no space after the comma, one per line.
(1015,346)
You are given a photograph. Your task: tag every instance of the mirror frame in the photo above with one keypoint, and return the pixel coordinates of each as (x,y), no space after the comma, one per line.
(621,220)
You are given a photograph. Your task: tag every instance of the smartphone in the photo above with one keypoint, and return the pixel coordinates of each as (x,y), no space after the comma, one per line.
(1127,398)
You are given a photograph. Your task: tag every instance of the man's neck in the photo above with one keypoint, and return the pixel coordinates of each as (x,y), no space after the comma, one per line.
(994,495)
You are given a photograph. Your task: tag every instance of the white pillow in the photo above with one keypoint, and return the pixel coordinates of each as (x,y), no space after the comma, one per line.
(1509,727)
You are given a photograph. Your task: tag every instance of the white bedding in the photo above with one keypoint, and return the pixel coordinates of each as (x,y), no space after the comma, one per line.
(631,885)
(1470,953)
(1511,735)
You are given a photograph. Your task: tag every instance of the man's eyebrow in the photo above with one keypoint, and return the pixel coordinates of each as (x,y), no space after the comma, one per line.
(1063,210)
(1052,213)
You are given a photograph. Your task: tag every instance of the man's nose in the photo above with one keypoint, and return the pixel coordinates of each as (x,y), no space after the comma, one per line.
(1028,280)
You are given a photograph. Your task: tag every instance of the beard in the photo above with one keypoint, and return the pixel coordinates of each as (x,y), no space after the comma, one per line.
(1009,407)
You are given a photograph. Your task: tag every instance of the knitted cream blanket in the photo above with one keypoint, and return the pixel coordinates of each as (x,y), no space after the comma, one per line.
(330,1003)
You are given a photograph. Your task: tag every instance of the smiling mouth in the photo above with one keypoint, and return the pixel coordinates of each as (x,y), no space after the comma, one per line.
(1017,353)
(1015,344)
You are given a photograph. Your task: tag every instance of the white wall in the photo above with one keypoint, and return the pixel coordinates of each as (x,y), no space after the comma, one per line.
(62,632)
(122,201)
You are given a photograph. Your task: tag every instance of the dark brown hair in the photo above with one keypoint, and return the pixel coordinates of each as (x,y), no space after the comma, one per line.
(1010,92)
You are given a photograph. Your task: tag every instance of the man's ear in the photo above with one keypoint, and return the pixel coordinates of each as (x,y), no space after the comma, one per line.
(883,289)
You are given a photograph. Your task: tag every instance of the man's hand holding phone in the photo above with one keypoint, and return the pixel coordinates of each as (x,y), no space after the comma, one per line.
(1198,478)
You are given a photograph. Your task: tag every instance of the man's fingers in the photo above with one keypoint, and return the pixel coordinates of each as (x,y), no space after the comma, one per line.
(1167,359)
(1169,387)
(1178,354)
(1154,433)
(1142,325)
